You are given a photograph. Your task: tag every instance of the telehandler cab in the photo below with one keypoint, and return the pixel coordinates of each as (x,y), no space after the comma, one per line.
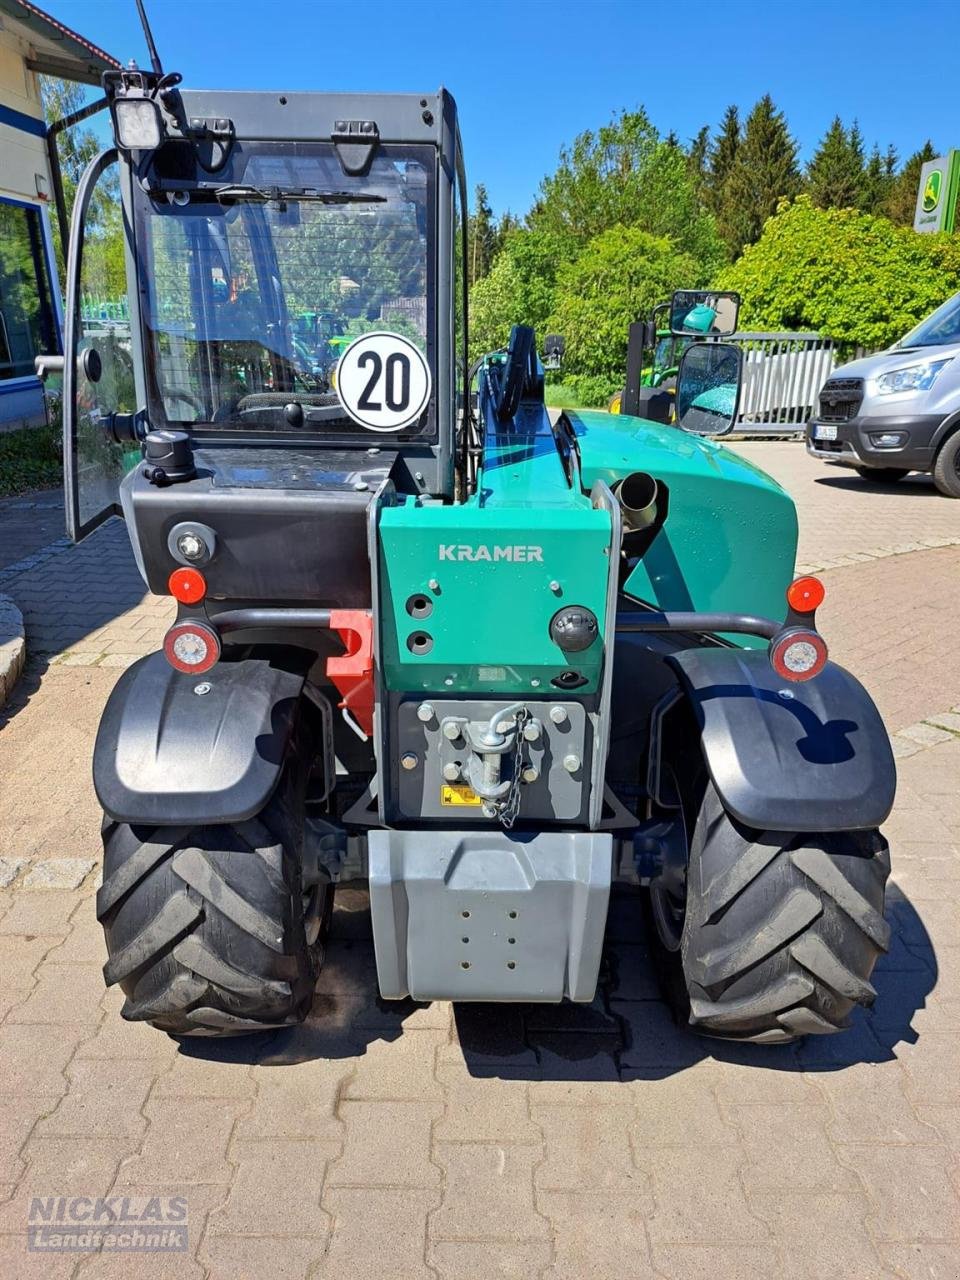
(493,660)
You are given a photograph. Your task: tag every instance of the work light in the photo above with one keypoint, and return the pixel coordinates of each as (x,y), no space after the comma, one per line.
(136,124)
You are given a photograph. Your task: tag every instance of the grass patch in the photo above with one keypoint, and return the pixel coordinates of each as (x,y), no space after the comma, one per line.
(30,459)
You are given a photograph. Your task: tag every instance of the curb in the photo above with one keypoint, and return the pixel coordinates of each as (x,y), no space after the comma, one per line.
(13,647)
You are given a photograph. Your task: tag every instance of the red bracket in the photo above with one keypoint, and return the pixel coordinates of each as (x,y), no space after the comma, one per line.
(352,672)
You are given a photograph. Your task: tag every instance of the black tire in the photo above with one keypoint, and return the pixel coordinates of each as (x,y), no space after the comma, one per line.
(207,929)
(882,475)
(781,931)
(946,468)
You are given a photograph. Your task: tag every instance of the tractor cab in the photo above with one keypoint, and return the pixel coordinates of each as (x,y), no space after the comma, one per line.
(268,239)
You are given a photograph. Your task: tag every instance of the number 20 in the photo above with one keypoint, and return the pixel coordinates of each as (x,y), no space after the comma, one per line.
(397,370)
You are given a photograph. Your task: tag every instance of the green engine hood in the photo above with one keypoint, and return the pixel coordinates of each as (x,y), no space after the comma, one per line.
(730,539)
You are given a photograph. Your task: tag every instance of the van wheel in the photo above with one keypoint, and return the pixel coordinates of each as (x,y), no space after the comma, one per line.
(946,469)
(882,475)
(210,930)
(774,934)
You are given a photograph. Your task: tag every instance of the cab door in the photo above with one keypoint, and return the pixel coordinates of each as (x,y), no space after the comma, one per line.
(98,370)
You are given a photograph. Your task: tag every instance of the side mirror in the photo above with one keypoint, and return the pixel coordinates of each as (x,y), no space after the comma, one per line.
(553,349)
(701,313)
(708,388)
(91,366)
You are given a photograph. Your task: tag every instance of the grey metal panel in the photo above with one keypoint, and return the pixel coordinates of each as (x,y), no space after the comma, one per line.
(556,796)
(310,116)
(488,916)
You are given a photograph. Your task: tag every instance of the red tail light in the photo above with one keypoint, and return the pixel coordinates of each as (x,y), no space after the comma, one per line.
(191,647)
(798,654)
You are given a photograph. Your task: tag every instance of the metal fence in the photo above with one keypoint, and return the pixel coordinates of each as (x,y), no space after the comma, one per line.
(782,376)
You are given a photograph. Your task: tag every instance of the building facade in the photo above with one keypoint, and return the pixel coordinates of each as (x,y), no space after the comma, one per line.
(31,313)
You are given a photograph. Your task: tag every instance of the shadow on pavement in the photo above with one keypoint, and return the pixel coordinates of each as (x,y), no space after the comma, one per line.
(626,1033)
(913,486)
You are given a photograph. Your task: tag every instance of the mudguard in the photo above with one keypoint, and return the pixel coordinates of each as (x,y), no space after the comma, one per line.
(810,756)
(166,755)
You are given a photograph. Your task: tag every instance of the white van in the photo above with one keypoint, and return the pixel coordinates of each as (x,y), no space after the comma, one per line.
(897,411)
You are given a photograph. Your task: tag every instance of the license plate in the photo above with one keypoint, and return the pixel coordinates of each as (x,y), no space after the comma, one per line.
(824,431)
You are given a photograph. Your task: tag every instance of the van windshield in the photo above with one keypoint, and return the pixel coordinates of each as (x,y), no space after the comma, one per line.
(256,279)
(938,330)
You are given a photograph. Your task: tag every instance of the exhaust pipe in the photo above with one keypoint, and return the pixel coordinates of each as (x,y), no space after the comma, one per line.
(637,495)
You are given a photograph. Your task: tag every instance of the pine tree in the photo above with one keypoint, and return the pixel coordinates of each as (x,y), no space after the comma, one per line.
(835,173)
(721,158)
(697,157)
(879,177)
(482,235)
(902,202)
(764,172)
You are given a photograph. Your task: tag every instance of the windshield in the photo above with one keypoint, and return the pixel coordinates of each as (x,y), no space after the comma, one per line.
(255,285)
(938,330)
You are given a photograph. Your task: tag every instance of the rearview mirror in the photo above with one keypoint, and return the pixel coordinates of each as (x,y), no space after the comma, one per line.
(700,313)
(708,388)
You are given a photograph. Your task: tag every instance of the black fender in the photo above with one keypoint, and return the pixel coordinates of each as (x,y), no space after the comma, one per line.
(806,756)
(167,755)
(947,427)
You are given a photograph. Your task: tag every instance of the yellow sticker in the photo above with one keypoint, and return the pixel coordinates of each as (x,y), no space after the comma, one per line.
(458,795)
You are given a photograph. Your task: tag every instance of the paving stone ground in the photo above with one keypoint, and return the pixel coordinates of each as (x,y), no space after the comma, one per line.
(488,1142)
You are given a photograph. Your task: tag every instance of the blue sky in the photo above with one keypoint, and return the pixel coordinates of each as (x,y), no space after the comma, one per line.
(528,75)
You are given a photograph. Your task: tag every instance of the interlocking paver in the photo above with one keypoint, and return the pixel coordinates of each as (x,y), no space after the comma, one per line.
(488,1193)
(386,1144)
(103,1099)
(276,1189)
(599,1234)
(377,1232)
(587,1148)
(931,1210)
(185,1143)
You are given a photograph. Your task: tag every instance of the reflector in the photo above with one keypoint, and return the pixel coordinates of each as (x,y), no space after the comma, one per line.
(187,585)
(805,594)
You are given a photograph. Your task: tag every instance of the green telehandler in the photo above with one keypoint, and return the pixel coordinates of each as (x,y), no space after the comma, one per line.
(487,659)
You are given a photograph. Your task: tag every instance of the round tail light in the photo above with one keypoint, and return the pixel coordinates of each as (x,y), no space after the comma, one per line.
(191,647)
(798,654)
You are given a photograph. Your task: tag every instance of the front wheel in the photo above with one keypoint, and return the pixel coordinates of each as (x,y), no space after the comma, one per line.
(210,930)
(946,469)
(882,475)
(773,935)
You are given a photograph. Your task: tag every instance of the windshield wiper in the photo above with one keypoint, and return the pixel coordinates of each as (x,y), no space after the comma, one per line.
(244,191)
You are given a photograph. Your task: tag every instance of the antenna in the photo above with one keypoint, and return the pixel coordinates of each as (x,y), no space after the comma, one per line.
(148,35)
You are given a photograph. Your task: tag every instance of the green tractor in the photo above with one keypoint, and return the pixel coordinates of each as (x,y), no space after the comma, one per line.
(488,660)
(659,343)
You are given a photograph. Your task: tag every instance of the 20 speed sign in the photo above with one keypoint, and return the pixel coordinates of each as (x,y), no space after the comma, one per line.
(383,381)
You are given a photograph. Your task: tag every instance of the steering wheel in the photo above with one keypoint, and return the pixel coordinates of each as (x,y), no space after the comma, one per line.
(187,396)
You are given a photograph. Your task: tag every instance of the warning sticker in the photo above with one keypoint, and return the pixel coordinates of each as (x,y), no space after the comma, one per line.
(458,795)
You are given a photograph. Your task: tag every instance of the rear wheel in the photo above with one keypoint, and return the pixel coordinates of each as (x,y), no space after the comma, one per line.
(882,475)
(778,932)
(210,930)
(946,469)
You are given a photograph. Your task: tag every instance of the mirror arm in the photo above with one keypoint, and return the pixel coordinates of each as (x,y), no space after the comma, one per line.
(45,365)
(125,428)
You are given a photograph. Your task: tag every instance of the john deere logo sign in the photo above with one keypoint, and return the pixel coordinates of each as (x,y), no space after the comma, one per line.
(932,189)
(937,194)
